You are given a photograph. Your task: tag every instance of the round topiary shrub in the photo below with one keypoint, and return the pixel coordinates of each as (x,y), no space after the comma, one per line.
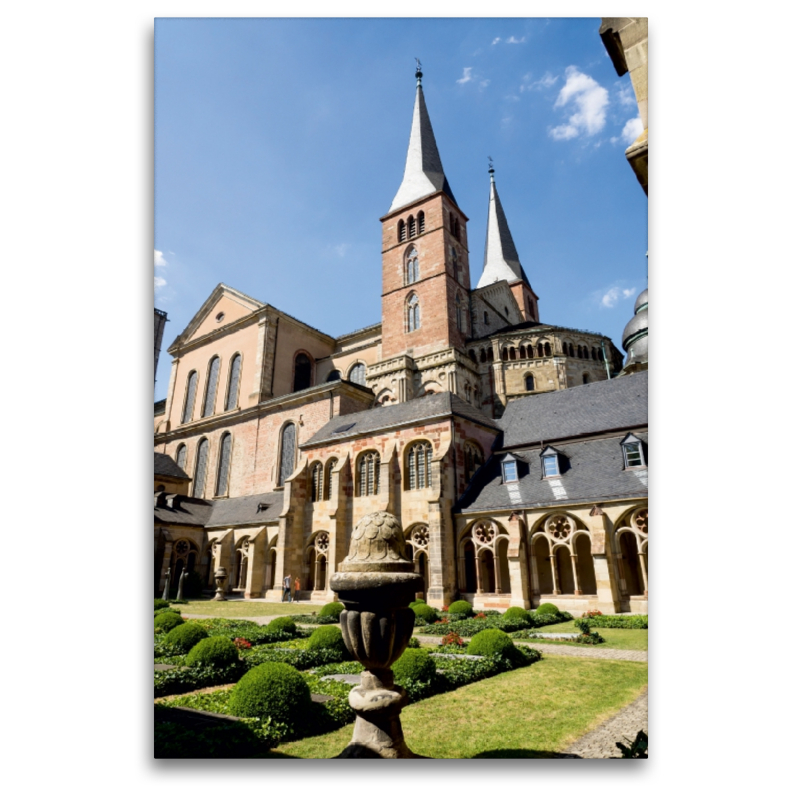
(414,665)
(185,636)
(425,612)
(461,607)
(491,642)
(215,651)
(331,610)
(166,621)
(546,608)
(158,604)
(272,690)
(328,636)
(515,612)
(282,625)
(415,603)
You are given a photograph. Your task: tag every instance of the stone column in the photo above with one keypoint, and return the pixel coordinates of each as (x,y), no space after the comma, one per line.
(574,557)
(165,564)
(497,584)
(556,582)
(256,565)
(644,571)
(478,574)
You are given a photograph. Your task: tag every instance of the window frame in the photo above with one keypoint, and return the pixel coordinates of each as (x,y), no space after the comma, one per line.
(188,408)
(219,490)
(631,440)
(208,395)
(228,405)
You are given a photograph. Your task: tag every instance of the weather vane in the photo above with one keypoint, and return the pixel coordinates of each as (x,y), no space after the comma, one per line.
(419,65)
(491,166)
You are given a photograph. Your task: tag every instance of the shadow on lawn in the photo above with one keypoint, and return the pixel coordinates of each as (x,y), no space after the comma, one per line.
(521,754)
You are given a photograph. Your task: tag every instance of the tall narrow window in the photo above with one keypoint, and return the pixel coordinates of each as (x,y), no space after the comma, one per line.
(369,466)
(473,458)
(188,403)
(529,383)
(420,457)
(224,465)
(211,387)
(586,377)
(547,350)
(421,222)
(358,374)
(530,307)
(316,483)
(412,266)
(288,443)
(459,313)
(331,465)
(401,230)
(198,486)
(571,350)
(233,383)
(512,353)
(485,317)
(412,227)
(413,313)
(540,350)
(302,372)
(180,456)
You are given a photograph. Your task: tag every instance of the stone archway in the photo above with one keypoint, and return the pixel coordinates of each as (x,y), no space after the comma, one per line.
(470,577)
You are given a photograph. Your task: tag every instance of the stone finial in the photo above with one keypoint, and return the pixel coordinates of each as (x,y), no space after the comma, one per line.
(377,545)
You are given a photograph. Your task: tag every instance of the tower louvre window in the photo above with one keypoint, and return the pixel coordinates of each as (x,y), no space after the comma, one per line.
(421,222)
(412,227)
(401,230)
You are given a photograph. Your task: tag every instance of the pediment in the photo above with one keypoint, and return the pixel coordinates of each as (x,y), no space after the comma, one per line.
(223,306)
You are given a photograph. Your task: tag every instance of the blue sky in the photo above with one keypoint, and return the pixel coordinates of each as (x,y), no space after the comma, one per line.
(279,143)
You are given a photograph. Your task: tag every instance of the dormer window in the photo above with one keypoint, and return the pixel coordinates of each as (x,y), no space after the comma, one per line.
(510,469)
(633,451)
(550,463)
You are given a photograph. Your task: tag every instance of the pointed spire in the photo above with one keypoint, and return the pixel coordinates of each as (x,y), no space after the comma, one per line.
(424,173)
(500,259)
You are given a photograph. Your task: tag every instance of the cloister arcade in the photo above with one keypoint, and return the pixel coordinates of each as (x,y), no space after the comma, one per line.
(483,560)
(561,558)
(630,551)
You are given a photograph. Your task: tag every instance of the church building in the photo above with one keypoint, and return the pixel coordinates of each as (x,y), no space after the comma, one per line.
(451,413)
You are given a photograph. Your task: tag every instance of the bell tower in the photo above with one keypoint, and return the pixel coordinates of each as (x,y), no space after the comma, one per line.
(426,282)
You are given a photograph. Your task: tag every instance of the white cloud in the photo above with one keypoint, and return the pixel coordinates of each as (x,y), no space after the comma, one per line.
(158,283)
(625,95)
(613,295)
(484,84)
(467,77)
(545,82)
(514,40)
(158,259)
(588,98)
(496,40)
(341,249)
(632,130)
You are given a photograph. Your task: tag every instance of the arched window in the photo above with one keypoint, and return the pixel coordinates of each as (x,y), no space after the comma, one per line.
(571,350)
(420,458)
(529,383)
(224,465)
(483,355)
(540,350)
(358,374)
(180,456)
(459,313)
(594,354)
(329,468)
(302,372)
(288,444)
(547,349)
(505,354)
(412,227)
(413,315)
(232,397)
(188,403)
(421,222)
(473,458)
(200,469)
(565,348)
(468,392)
(211,387)
(401,230)
(530,308)
(473,356)
(585,377)
(485,317)
(369,468)
(412,266)
(316,482)
(512,353)
(334,375)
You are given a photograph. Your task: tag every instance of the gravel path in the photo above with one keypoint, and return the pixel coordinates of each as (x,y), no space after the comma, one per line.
(601,742)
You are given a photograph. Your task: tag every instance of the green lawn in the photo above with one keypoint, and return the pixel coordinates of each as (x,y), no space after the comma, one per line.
(528,713)
(616,638)
(233,608)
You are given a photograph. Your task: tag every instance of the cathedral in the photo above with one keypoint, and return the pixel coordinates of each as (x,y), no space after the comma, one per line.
(513,451)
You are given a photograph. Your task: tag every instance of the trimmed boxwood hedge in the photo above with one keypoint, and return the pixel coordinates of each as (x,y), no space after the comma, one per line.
(415,665)
(469,627)
(425,613)
(215,651)
(546,608)
(515,612)
(275,690)
(460,607)
(327,637)
(159,604)
(245,629)
(166,621)
(632,621)
(491,642)
(282,625)
(331,610)
(185,637)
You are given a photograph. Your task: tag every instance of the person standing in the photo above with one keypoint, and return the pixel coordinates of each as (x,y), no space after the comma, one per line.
(287,589)
(296,590)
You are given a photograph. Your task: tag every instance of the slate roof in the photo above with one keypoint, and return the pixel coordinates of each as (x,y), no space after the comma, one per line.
(595,473)
(418,410)
(244,510)
(592,408)
(159,407)
(166,466)
(192,511)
